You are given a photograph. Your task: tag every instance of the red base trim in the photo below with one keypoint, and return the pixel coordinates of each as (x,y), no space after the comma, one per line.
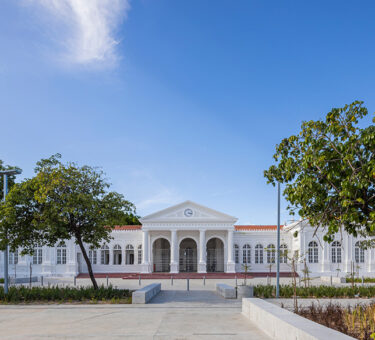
(166,276)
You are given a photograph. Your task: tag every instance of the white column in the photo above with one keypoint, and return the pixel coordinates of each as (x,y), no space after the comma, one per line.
(369,259)
(325,257)
(145,253)
(230,262)
(174,253)
(202,267)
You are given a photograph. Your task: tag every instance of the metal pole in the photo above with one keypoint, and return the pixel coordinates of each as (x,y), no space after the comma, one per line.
(6,275)
(278,243)
(187,284)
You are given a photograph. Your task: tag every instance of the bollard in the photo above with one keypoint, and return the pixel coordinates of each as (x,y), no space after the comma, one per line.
(139,280)
(204,280)
(41,280)
(171,280)
(331,280)
(187,285)
(75,280)
(107,280)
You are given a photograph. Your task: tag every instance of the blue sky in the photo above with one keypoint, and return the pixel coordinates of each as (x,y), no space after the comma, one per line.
(178,100)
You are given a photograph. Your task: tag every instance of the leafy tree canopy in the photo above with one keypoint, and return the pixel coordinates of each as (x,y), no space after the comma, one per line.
(329,172)
(61,202)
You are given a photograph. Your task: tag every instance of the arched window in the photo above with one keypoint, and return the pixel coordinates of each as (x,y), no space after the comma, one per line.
(246,254)
(283,253)
(313,255)
(258,253)
(61,253)
(92,256)
(38,255)
(359,253)
(236,253)
(129,254)
(104,254)
(271,253)
(336,252)
(140,254)
(13,257)
(117,254)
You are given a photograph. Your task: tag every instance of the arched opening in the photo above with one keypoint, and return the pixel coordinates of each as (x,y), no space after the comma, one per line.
(188,255)
(117,254)
(215,255)
(161,253)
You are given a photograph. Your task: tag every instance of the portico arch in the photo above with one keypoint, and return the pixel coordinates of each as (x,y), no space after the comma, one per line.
(161,255)
(188,255)
(215,255)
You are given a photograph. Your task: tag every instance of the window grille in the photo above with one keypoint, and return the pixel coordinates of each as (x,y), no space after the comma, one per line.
(312,252)
(336,252)
(359,253)
(61,253)
(271,253)
(236,253)
(246,254)
(258,253)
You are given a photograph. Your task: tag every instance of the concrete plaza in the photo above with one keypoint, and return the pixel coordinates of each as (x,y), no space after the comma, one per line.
(173,314)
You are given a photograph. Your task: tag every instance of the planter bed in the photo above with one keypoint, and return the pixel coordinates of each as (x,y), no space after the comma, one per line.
(64,295)
(357,322)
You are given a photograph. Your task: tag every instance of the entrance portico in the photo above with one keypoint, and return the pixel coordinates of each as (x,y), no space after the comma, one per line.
(196,235)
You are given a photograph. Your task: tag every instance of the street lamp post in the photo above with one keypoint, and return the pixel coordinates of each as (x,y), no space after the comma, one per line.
(278,242)
(5,174)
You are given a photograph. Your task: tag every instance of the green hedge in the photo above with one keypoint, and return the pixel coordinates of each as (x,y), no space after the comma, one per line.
(286,291)
(19,294)
(359,280)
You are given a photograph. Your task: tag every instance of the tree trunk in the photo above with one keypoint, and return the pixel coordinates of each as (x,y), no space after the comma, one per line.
(88,263)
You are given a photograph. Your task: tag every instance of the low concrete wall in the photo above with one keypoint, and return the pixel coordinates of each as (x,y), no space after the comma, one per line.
(145,294)
(13,280)
(226,291)
(333,279)
(280,324)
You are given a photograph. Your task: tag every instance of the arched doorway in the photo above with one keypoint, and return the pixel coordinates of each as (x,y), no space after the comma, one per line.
(188,255)
(215,255)
(161,253)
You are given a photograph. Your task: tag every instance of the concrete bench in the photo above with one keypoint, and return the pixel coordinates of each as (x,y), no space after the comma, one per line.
(145,294)
(227,292)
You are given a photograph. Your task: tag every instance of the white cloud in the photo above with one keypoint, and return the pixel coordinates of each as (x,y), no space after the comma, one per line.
(164,197)
(85,29)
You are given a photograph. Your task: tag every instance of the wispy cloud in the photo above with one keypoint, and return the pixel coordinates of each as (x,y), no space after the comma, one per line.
(164,197)
(84,29)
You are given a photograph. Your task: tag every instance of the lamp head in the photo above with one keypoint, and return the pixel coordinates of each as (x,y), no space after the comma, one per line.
(9,172)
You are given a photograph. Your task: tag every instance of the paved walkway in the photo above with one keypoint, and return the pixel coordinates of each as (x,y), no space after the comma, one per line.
(171,315)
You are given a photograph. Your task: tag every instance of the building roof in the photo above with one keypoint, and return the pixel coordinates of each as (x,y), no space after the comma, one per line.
(128,227)
(236,227)
(256,227)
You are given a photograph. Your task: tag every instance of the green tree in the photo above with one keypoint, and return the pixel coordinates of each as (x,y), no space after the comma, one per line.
(329,171)
(62,202)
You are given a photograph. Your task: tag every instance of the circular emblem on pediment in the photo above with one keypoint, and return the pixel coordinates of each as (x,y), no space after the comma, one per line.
(188,212)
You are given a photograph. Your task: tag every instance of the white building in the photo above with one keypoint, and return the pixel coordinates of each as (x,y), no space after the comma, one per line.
(189,237)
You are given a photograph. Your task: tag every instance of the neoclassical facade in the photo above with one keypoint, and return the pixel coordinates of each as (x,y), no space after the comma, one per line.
(189,237)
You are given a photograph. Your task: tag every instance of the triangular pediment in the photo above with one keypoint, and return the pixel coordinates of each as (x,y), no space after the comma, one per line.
(188,211)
